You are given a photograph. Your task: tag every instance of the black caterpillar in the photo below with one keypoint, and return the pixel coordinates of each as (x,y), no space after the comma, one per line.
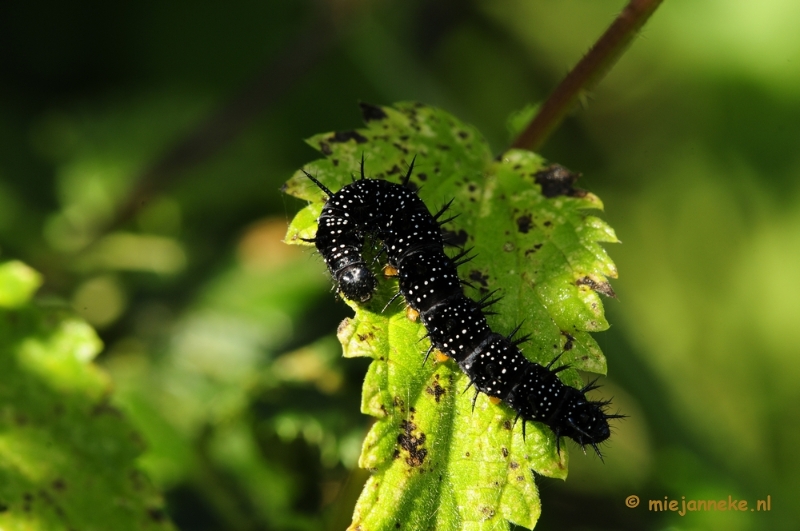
(428,278)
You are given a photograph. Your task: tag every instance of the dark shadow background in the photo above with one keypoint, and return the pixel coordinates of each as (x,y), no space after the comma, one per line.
(142,146)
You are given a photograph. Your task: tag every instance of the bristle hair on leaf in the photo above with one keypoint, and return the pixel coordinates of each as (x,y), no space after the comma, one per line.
(410,170)
(487,300)
(319,184)
(462,258)
(442,210)
(514,332)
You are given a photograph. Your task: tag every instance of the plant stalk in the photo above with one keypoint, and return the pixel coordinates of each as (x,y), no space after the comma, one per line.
(587,73)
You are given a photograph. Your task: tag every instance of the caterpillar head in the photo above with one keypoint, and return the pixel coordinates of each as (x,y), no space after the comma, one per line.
(585,422)
(357,282)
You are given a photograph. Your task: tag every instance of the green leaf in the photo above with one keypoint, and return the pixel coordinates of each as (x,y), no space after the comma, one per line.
(519,120)
(438,463)
(67,457)
(17,283)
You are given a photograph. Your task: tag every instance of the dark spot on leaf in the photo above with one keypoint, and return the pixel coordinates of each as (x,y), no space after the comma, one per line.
(412,443)
(570,341)
(435,390)
(345,136)
(604,288)
(397,525)
(443,147)
(48,499)
(557,180)
(156,514)
(514,465)
(371,112)
(480,278)
(325,147)
(547,223)
(3,507)
(463,135)
(507,425)
(422,176)
(520,478)
(59,484)
(524,223)
(466,454)
(534,249)
(104,407)
(398,402)
(401,147)
(505,451)
(456,239)
(487,512)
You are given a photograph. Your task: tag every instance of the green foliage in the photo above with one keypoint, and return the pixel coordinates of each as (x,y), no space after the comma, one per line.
(67,456)
(436,461)
(249,413)
(245,429)
(519,119)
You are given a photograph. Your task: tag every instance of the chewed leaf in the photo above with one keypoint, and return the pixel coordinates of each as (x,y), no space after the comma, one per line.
(304,225)
(440,457)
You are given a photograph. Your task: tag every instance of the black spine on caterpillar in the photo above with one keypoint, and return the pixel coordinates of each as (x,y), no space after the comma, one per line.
(456,325)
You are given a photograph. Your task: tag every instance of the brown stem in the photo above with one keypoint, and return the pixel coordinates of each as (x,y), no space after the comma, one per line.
(587,73)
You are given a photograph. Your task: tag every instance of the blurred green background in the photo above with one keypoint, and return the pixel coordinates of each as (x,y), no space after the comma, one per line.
(142,146)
